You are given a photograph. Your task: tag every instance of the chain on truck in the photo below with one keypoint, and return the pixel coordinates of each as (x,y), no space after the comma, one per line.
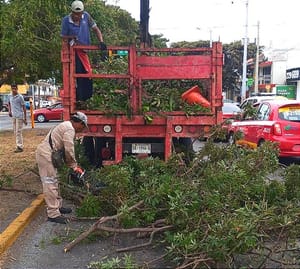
(148,77)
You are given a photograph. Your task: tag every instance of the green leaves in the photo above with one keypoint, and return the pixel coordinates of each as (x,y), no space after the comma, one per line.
(90,207)
(220,204)
(30,36)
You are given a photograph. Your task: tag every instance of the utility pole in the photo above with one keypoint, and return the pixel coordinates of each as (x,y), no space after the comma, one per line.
(244,81)
(210,38)
(257,61)
(144,24)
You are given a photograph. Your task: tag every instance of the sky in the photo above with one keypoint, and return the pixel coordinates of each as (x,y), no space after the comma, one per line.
(223,20)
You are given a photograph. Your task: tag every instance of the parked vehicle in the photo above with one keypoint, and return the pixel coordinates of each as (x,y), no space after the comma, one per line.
(4,98)
(27,102)
(230,111)
(45,103)
(259,98)
(53,112)
(276,121)
(225,100)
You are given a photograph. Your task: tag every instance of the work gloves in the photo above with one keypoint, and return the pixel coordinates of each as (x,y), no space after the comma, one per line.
(76,176)
(102,46)
(78,170)
(104,52)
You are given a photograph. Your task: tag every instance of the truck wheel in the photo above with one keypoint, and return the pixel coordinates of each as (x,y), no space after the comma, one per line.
(260,142)
(41,118)
(231,139)
(185,145)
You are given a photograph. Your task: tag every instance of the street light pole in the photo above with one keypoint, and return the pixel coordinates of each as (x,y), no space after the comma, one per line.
(257,61)
(210,38)
(244,81)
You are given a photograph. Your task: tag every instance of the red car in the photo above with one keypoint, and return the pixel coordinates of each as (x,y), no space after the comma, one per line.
(275,121)
(53,112)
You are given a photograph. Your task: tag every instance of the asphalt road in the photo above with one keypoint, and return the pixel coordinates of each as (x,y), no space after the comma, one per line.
(6,123)
(41,246)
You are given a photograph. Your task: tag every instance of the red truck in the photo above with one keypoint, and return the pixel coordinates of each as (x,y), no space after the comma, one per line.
(123,134)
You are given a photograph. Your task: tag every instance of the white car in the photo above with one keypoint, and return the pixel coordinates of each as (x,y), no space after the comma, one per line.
(44,103)
(257,99)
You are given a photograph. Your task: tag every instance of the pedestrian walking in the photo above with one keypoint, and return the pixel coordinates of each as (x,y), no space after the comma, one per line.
(17,111)
(60,138)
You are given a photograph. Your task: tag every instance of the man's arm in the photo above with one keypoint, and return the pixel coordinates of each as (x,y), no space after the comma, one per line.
(25,115)
(9,108)
(98,33)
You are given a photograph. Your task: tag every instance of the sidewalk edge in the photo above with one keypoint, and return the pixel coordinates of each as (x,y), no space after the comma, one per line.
(15,228)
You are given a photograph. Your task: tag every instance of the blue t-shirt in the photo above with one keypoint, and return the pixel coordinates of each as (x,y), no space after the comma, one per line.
(81,31)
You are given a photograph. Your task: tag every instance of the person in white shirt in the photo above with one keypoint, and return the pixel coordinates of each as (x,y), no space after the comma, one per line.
(17,110)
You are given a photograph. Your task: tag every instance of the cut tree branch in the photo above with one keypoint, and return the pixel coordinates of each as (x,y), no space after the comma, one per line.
(97,224)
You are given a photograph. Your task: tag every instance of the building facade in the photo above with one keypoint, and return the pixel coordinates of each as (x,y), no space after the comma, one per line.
(279,74)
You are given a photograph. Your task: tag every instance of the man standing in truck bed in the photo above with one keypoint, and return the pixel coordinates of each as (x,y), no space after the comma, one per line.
(78,24)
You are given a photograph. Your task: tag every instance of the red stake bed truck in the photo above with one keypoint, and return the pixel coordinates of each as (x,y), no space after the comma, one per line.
(124,133)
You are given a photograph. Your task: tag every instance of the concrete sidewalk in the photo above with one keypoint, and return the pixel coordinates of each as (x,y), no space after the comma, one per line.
(15,228)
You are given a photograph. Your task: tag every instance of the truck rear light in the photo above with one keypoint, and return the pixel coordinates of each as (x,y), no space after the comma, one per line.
(277,129)
(178,129)
(107,128)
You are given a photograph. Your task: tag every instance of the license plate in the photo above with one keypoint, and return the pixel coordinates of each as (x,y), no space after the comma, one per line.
(141,148)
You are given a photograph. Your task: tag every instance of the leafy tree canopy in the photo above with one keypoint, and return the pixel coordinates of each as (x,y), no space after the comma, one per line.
(30,35)
(30,39)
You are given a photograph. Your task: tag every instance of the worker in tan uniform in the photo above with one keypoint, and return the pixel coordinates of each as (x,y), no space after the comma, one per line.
(61,136)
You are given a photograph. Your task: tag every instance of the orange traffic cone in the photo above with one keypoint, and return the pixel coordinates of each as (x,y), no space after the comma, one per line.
(193,96)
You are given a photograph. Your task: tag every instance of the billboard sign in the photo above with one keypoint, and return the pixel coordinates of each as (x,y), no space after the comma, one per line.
(289,91)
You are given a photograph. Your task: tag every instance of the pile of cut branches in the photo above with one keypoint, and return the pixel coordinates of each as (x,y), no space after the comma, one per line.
(209,211)
(112,96)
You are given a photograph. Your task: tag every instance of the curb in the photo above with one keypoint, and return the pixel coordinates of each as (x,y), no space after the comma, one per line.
(15,228)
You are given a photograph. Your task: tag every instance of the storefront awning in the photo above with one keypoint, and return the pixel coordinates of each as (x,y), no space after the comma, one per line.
(6,88)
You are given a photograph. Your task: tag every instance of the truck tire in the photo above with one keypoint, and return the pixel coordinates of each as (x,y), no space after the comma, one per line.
(231,139)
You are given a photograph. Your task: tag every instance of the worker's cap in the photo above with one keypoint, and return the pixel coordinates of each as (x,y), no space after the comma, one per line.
(80,116)
(77,6)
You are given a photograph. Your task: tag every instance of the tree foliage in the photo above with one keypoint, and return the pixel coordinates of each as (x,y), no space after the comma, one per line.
(220,205)
(233,66)
(30,35)
(30,39)
(30,42)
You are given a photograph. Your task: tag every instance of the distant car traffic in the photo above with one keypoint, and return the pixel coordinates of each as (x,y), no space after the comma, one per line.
(53,112)
(257,99)
(27,101)
(45,103)
(230,111)
(276,121)
(225,100)
(4,98)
